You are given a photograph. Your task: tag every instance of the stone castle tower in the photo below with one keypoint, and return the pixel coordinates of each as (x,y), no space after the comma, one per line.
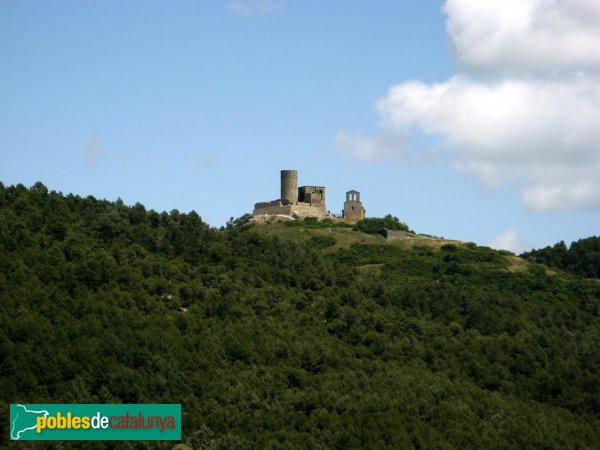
(289,186)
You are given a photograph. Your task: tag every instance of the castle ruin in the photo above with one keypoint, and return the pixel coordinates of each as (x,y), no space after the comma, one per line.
(353,208)
(306,201)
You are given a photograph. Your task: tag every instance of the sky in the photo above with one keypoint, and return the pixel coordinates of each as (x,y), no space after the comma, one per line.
(469,120)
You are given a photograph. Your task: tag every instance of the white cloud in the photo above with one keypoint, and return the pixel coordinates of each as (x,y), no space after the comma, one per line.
(530,35)
(509,240)
(582,193)
(93,151)
(246,7)
(542,135)
(535,123)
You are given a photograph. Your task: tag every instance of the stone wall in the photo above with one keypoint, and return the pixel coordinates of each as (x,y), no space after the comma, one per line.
(303,211)
(394,234)
(266,208)
(267,204)
(353,211)
(297,210)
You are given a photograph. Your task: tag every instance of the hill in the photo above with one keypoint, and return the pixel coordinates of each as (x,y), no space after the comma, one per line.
(292,336)
(581,257)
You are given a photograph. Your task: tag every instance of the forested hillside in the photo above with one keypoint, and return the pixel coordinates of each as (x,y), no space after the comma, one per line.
(581,257)
(300,342)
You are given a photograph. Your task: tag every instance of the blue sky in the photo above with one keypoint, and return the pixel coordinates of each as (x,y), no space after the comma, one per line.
(198,105)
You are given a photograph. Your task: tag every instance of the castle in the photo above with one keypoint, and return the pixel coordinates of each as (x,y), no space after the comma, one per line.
(307,201)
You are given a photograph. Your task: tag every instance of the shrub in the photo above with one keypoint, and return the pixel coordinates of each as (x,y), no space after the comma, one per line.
(320,241)
(375,225)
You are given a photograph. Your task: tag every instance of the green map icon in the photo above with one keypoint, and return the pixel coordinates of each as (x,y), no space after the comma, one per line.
(24,419)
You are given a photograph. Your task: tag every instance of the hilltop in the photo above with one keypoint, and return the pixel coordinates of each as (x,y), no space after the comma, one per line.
(300,335)
(304,231)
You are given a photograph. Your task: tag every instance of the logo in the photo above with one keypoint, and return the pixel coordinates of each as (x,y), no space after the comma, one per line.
(44,422)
